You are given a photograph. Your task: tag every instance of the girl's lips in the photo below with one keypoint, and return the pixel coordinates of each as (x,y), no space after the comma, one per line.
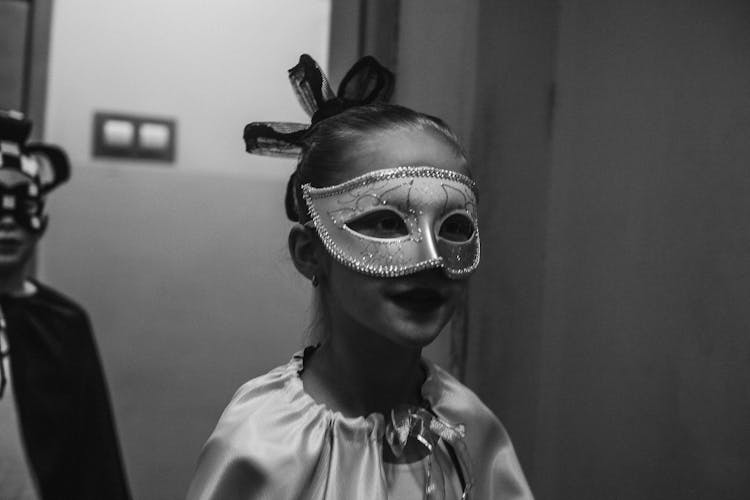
(10,243)
(418,299)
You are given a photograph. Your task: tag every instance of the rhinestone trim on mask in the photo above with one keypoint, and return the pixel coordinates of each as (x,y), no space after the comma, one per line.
(392,173)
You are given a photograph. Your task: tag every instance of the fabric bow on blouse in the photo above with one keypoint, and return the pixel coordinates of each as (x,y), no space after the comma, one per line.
(427,429)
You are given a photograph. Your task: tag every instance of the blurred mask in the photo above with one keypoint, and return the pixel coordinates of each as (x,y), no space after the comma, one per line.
(42,167)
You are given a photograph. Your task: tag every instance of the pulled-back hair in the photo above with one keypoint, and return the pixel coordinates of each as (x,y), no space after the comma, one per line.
(328,143)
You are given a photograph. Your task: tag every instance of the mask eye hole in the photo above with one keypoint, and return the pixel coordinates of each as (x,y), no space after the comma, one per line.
(383,224)
(457,228)
(30,206)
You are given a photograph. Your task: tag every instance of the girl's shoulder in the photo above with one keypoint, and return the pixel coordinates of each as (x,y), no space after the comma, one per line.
(274,408)
(274,400)
(273,439)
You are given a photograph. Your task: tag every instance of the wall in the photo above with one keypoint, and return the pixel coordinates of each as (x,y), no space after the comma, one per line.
(511,152)
(183,268)
(437,60)
(13,21)
(434,55)
(645,374)
(609,322)
(212,65)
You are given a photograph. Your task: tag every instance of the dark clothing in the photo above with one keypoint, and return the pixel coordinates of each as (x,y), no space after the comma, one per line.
(62,400)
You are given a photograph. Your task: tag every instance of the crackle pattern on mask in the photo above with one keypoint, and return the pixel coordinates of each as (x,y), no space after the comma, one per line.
(422,196)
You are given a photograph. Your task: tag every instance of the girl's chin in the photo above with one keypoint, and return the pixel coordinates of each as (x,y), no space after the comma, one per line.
(414,335)
(10,256)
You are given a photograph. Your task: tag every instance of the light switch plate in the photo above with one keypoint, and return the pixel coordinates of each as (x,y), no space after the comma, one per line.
(134,137)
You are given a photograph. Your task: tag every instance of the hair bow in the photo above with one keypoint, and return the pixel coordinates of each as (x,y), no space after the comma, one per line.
(427,429)
(366,82)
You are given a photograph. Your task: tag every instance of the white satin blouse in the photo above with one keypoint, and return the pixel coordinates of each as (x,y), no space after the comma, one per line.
(274,441)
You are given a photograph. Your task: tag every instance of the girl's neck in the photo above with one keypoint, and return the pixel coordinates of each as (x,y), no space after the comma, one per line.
(12,281)
(361,372)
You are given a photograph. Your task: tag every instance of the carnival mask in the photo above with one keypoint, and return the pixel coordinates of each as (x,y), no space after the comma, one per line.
(43,167)
(25,204)
(399,221)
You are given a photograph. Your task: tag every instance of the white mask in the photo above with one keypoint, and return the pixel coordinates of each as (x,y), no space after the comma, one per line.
(399,221)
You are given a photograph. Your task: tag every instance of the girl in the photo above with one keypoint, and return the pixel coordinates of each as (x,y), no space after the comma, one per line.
(386,232)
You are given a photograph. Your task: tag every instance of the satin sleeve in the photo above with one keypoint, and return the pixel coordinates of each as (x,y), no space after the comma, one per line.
(504,477)
(223,474)
(274,442)
(265,446)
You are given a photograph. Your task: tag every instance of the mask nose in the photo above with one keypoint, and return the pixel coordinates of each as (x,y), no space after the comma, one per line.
(429,238)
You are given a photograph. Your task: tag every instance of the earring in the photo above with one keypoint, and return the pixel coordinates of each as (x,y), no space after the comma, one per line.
(314,280)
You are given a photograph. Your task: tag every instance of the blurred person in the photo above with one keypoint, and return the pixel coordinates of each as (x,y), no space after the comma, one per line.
(386,230)
(57,434)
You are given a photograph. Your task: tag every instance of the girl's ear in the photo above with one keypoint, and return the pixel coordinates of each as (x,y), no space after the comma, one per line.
(307,252)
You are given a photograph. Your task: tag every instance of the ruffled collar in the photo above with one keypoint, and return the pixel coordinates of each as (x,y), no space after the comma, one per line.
(373,424)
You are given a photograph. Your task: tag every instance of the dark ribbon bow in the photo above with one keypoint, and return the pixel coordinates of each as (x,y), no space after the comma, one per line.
(366,82)
(427,429)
